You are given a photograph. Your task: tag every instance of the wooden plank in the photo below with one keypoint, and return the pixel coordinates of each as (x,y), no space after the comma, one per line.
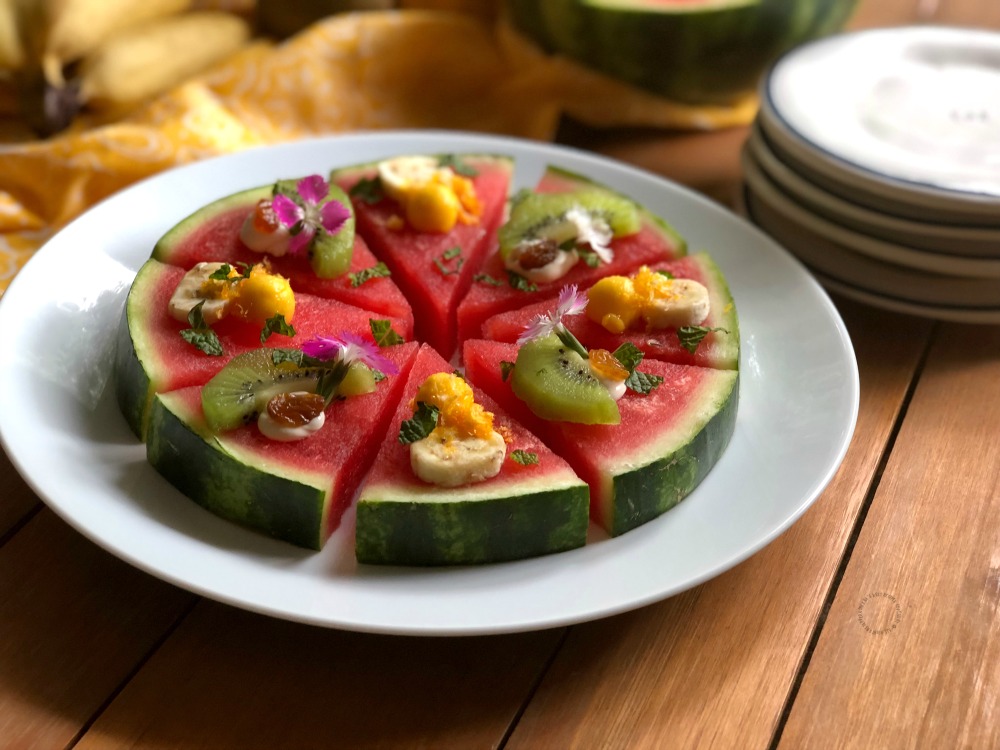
(974,13)
(713,667)
(228,678)
(17,500)
(878,13)
(75,622)
(910,653)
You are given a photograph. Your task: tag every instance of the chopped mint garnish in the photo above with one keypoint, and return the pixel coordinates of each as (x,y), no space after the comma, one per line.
(420,426)
(378,271)
(367,189)
(295,356)
(667,274)
(525,458)
(629,355)
(691,336)
(485,278)
(642,382)
(383,333)
(457,165)
(223,271)
(200,335)
(589,257)
(378,375)
(277,324)
(448,255)
(506,368)
(458,374)
(451,252)
(521,284)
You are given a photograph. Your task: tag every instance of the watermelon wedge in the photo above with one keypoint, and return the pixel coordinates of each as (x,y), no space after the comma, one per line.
(719,349)
(212,233)
(524,511)
(153,358)
(665,445)
(492,292)
(434,270)
(296,491)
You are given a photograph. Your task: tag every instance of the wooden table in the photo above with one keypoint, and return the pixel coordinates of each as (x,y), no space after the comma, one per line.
(874,622)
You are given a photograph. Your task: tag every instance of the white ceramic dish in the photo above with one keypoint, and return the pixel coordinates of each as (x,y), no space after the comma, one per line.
(841,262)
(798,405)
(904,119)
(830,231)
(967,243)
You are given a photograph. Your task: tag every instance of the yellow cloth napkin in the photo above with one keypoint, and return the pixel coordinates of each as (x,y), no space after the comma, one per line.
(403,69)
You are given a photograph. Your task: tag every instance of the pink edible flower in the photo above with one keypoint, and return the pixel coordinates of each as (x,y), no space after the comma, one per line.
(307,215)
(349,348)
(571,302)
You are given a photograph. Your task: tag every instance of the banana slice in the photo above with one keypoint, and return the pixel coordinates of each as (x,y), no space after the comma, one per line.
(452,462)
(399,176)
(686,305)
(190,291)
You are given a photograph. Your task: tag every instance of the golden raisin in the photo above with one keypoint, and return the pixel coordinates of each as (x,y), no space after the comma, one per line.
(604,363)
(295,409)
(538,254)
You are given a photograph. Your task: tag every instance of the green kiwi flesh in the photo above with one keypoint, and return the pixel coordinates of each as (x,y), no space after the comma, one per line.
(330,254)
(556,384)
(542,216)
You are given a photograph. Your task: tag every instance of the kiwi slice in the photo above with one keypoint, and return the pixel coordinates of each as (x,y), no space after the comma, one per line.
(330,254)
(556,383)
(542,216)
(358,381)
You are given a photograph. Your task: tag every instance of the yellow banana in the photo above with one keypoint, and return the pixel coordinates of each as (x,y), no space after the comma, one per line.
(145,60)
(71,29)
(12,52)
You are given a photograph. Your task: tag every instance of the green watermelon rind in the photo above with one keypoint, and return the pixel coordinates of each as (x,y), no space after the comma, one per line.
(727,353)
(467,528)
(703,53)
(240,486)
(655,478)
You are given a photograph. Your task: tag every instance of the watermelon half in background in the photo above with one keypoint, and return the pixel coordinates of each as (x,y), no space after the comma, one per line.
(719,349)
(296,491)
(212,233)
(152,357)
(432,275)
(492,294)
(666,443)
(524,511)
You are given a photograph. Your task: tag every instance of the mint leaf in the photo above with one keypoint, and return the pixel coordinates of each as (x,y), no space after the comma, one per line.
(642,382)
(206,340)
(525,458)
(277,324)
(485,278)
(629,355)
(457,165)
(667,274)
(367,190)
(451,252)
(589,257)
(221,273)
(691,336)
(521,284)
(378,271)
(289,188)
(378,375)
(195,318)
(445,271)
(506,368)
(295,356)
(423,421)
(383,333)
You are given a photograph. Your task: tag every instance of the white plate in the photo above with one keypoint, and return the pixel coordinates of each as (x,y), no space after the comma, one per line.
(910,117)
(965,243)
(798,404)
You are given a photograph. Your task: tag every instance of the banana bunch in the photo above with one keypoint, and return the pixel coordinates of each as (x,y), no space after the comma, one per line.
(105,55)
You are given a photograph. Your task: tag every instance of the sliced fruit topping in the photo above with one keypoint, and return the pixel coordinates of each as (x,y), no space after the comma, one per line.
(202,285)
(433,196)
(451,437)
(547,234)
(658,301)
(609,372)
(261,295)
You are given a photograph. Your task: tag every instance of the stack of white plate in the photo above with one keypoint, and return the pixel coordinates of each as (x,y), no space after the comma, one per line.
(876,160)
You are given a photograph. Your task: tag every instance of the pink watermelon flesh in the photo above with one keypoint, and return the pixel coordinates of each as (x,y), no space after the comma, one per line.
(218,239)
(599,452)
(411,255)
(713,351)
(172,363)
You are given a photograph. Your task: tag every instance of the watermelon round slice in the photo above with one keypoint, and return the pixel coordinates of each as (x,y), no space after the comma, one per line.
(524,511)
(296,491)
(665,445)
(494,292)
(212,233)
(434,270)
(719,349)
(153,358)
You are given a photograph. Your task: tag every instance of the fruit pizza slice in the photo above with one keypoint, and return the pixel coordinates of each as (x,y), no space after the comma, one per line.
(679,311)
(280,439)
(297,227)
(569,230)
(432,220)
(458,481)
(643,434)
(180,328)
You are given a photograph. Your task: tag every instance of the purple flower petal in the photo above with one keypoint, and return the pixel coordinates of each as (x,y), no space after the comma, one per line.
(299,242)
(333,215)
(288,211)
(571,302)
(540,325)
(322,347)
(313,189)
(358,349)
